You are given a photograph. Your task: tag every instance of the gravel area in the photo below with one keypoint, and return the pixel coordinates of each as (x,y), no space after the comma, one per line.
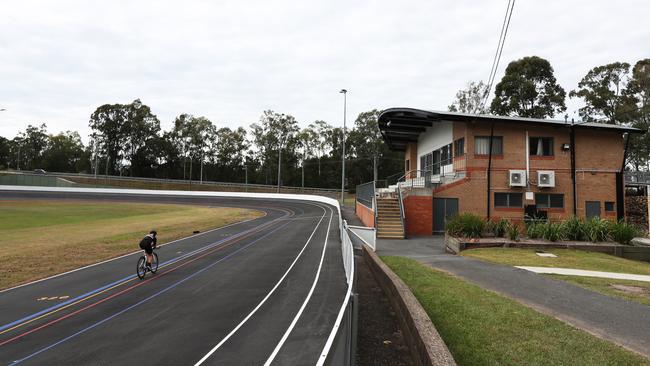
(379,339)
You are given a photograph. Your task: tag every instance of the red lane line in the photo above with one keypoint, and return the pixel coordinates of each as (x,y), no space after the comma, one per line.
(131,287)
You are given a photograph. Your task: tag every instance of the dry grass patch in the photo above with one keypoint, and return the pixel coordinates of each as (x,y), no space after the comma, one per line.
(43,238)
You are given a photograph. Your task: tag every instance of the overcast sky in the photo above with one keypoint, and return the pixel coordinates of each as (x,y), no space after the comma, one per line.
(230,60)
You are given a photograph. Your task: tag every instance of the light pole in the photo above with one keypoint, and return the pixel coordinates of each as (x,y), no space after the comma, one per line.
(136,104)
(345,94)
(281,141)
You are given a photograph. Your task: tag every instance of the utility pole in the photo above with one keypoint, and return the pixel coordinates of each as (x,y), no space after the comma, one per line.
(95,160)
(279,164)
(345,93)
(374,167)
(246,172)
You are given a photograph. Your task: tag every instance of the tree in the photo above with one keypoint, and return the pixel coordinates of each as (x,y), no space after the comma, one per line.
(275,131)
(107,124)
(5,146)
(603,92)
(471,99)
(29,145)
(66,153)
(231,153)
(638,88)
(141,127)
(320,143)
(528,89)
(195,138)
(120,130)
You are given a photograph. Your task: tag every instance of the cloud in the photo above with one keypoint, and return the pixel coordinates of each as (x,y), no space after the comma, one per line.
(230,60)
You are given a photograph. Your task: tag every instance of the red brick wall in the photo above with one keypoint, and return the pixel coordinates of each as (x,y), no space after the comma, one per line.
(366,215)
(419,215)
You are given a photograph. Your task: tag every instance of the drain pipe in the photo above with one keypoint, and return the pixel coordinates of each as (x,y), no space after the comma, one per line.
(572,138)
(489,170)
(620,194)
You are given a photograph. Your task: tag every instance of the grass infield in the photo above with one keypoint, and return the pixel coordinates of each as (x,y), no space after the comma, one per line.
(42,238)
(481,327)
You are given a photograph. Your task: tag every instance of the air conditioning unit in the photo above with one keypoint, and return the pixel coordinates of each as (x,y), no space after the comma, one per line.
(545,178)
(517,178)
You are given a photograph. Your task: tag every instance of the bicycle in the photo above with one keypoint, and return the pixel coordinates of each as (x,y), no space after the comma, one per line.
(142,268)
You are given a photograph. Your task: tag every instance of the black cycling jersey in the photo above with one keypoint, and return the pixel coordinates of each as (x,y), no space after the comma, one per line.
(148,243)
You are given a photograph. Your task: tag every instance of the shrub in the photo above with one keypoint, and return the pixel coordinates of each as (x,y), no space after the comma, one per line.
(498,228)
(535,227)
(623,232)
(513,231)
(574,229)
(553,231)
(466,225)
(596,230)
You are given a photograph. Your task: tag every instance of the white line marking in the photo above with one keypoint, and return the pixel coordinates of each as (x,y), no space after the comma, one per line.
(215,348)
(124,255)
(304,304)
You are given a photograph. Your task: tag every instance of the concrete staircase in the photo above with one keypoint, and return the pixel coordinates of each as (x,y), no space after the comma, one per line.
(389,223)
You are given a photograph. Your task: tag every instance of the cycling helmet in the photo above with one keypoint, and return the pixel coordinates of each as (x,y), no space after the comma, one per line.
(153,232)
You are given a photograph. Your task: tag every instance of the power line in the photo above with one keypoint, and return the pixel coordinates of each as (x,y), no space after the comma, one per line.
(499,50)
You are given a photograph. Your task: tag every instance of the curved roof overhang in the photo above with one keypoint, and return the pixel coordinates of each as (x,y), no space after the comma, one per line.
(399,126)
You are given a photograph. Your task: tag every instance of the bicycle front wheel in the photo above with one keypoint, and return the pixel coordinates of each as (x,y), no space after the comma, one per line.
(141,270)
(154,263)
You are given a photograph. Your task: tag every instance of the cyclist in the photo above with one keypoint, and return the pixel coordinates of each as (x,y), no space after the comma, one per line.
(148,244)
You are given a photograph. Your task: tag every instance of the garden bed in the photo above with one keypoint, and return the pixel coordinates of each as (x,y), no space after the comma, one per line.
(456,245)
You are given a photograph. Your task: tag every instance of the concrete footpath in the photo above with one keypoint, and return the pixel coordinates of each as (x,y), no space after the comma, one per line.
(623,322)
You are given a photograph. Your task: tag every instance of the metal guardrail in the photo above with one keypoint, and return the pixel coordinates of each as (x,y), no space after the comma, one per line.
(233,185)
(637,178)
(340,348)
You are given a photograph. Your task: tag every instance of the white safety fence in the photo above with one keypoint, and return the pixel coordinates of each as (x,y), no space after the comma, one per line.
(344,335)
(368,235)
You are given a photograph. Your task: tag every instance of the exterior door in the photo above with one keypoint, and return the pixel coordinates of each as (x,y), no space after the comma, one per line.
(592,209)
(443,209)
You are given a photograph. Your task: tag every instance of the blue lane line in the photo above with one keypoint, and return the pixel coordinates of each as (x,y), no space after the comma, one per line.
(146,299)
(171,261)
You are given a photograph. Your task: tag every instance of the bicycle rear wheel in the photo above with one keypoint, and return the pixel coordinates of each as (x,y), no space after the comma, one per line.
(141,270)
(154,263)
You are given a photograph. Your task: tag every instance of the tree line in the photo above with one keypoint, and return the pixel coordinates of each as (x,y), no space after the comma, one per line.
(615,93)
(127,140)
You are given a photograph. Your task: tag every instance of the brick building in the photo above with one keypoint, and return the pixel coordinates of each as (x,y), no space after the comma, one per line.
(535,166)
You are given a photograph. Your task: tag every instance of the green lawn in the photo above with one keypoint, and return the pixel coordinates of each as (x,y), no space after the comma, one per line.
(566,258)
(43,238)
(483,328)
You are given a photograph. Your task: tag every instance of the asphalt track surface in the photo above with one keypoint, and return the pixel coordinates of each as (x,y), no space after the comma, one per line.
(230,296)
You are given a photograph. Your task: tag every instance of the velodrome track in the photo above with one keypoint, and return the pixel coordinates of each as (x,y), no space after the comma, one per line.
(262,291)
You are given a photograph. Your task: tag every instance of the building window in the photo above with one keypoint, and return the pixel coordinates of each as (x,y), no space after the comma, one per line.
(407,165)
(549,200)
(508,199)
(482,145)
(541,146)
(431,162)
(609,206)
(459,147)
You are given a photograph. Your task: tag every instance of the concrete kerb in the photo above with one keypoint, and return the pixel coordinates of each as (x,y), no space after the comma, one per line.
(425,344)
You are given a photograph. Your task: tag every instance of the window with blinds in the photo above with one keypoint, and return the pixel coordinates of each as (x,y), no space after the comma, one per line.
(482,145)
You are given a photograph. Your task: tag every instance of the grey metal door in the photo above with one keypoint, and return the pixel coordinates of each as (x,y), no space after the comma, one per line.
(592,209)
(443,209)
